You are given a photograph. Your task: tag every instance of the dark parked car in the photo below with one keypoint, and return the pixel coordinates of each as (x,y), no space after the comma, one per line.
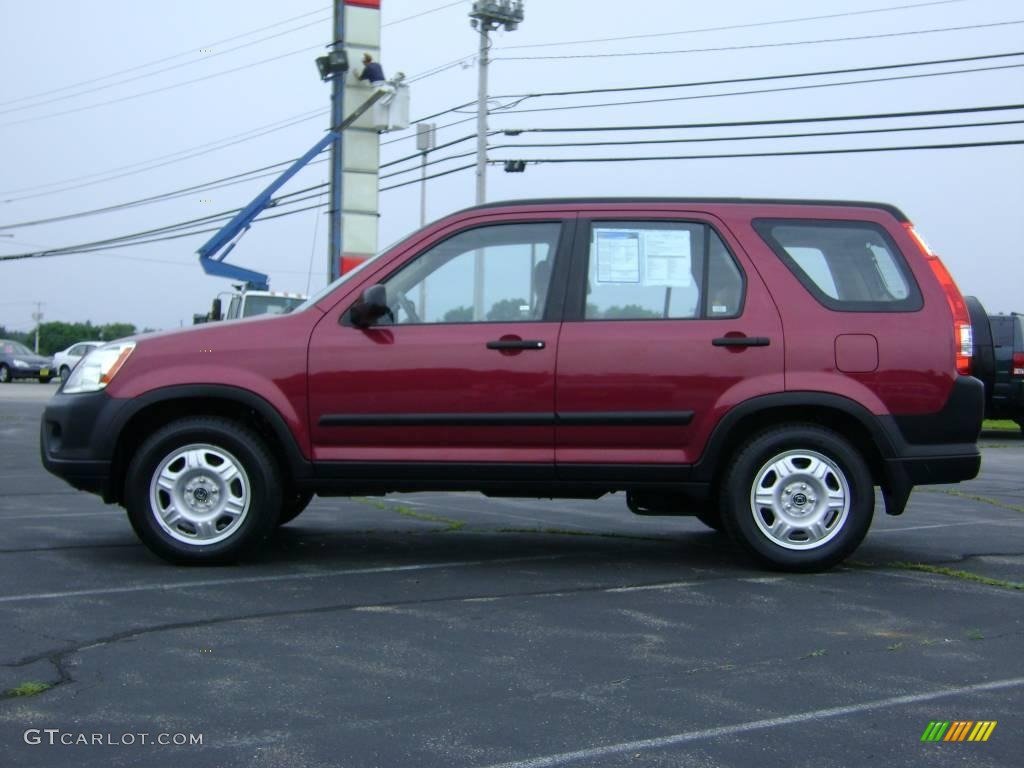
(761,364)
(999,361)
(19,362)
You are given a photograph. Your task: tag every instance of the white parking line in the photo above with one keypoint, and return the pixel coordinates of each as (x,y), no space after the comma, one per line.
(171,586)
(1010,523)
(593,753)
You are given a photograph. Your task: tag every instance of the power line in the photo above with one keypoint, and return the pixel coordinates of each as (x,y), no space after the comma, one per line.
(169,162)
(757,78)
(431,176)
(162,89)
(423,13)
(509,109)
(748,25)
(893,78)
(753,46)
(640,142)
(164,69)
(155,62)
(792,153)
(811,134)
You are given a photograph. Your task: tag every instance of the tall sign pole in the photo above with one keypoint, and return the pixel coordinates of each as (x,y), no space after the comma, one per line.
(488,15)
(337,148)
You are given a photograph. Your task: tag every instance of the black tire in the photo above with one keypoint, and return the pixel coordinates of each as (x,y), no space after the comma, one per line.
(193,455)
(791,530)
(45,379)
(65,372)
(5,374)
(294,504)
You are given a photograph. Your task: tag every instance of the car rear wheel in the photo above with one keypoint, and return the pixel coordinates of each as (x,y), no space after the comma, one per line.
(5,374)
(798,498)
(203,490)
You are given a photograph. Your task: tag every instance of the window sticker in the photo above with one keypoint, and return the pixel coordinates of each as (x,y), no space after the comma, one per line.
(667,258)
(618,255)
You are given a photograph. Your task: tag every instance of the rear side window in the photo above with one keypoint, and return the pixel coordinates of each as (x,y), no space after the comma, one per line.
(850,266)
(1007,330)
(660,270)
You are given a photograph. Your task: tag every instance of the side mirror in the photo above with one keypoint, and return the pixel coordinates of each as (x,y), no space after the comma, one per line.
(371,307)
(215,310)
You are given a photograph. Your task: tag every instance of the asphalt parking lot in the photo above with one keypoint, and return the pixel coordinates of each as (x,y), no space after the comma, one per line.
(454,630)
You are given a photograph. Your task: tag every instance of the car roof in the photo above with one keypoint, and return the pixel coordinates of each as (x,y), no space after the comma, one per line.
(747,201)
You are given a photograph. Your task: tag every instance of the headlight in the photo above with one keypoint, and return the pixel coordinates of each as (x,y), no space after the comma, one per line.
(21,364)
(98,368)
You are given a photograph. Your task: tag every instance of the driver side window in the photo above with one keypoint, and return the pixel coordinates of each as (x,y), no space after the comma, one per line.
(498,273)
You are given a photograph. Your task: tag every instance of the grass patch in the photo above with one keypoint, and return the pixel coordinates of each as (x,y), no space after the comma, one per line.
(955,574)
(449,523)
(974,497)
(1000,424)
(31,688)
(816,654)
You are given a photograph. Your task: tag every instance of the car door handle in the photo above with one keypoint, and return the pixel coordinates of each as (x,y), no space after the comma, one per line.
(741,341)
(515,344)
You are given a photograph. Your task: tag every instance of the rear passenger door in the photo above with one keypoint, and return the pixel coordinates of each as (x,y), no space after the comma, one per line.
(667,326)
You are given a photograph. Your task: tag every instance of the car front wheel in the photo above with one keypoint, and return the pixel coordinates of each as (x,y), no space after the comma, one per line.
(203,490)
(798,498)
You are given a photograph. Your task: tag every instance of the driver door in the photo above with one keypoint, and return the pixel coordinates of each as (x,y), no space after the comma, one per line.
(461,375)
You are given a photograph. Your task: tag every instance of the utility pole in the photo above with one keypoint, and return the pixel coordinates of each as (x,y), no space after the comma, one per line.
(38,317)
(488,15)
(334,242)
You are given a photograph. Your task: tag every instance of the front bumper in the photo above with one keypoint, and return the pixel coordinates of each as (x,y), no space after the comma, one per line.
(32,372)
(77,440)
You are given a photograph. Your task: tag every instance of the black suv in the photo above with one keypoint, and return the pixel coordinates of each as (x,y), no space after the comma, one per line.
(999,361)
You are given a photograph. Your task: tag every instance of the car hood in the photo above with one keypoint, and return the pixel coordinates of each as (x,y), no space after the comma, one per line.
(33,360)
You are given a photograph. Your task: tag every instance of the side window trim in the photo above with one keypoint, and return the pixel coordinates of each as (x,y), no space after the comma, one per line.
(575,298)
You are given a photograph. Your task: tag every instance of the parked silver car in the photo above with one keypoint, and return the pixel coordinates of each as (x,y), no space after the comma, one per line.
(65,361)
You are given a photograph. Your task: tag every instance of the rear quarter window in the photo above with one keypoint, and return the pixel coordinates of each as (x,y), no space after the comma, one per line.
(848,266)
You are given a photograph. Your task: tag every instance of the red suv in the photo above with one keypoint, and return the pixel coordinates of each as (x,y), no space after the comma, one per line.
(762,364)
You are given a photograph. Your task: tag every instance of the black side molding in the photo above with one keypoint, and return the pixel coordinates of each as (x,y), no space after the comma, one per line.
(584,419)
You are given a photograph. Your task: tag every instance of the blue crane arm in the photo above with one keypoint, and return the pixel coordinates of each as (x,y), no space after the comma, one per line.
(213,251)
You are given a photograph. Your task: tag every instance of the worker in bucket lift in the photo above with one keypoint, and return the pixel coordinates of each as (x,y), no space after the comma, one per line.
(372,71)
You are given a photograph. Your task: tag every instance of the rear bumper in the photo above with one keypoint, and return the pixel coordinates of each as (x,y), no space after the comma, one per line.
(930,449)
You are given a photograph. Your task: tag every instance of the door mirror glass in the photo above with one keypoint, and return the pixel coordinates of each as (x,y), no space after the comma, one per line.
(371,307)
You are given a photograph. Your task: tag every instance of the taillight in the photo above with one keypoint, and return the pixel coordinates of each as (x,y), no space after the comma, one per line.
(1018,363)
(963,335)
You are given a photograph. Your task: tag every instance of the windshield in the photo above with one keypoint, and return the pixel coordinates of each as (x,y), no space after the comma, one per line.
(327,289)
(270,305)
(15,348)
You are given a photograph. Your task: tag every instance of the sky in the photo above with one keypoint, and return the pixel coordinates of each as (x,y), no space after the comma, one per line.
(147,98)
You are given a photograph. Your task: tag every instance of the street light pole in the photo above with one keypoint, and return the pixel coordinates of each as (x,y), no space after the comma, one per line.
(38,317)
(488,15)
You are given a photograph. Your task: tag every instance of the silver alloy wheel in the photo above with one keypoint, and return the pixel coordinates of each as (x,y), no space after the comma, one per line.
(199,494)
(800,499)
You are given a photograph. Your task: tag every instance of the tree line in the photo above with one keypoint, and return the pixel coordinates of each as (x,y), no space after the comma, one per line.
(55,336)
